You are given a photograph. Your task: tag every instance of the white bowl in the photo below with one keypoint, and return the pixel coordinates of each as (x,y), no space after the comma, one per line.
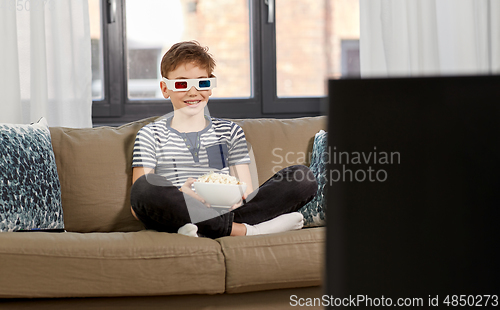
(220,195)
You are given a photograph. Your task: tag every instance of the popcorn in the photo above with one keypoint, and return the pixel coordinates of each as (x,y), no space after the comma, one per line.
(219,178)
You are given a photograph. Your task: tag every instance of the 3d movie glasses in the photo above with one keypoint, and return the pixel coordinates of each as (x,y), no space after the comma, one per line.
(185,85)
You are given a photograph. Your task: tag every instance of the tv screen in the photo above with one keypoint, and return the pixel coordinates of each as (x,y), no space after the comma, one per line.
(413,192)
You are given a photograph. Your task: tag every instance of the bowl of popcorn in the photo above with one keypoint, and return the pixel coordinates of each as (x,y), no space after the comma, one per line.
(220,190)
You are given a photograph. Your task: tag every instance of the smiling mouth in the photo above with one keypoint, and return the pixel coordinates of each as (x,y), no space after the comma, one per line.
(192,102)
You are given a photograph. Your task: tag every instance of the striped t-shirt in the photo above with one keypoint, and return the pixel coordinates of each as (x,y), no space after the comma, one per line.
(178,156)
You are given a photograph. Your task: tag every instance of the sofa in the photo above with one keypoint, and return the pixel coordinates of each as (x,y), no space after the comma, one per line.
(105,258)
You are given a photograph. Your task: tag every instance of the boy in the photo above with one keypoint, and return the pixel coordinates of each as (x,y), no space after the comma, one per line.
(171,153)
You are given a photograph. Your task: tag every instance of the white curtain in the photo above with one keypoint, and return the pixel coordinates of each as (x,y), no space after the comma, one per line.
(429,37)
(45,62)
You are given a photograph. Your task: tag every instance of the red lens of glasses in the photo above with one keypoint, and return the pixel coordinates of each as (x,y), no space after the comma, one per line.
(181,85)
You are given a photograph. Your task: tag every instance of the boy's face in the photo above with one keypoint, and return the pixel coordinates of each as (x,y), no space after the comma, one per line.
(193,101)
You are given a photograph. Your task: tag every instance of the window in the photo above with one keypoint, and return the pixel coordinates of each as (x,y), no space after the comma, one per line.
(273,56)
(96,43)
(150,33)
(309,36)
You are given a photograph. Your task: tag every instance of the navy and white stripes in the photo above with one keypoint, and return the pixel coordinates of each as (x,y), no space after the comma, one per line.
(164,149)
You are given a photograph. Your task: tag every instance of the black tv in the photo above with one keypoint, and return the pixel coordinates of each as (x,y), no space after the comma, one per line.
(413,192)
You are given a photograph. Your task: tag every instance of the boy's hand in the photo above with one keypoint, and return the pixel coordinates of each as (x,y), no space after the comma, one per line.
(240,203)
(187,189)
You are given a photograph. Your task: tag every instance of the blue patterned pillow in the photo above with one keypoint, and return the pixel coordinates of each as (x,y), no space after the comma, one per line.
(314,210)
(30,192)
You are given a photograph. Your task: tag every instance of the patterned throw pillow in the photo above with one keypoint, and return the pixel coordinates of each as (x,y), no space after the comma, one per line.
(30,191)
(314,211)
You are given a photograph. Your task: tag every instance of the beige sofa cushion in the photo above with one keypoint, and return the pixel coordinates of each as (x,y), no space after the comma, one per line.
(39,264)
(276,261)
(279,143)
(94,167)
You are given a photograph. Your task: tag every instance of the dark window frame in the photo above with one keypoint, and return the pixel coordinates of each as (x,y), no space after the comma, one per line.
(117,108)
(271,102)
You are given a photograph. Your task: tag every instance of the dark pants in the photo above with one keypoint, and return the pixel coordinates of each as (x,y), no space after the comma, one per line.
(161,206)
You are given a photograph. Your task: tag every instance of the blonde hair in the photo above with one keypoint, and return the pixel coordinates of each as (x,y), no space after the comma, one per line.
(187,52)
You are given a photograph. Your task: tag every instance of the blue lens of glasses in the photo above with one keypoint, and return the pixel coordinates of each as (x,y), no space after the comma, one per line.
(203,84)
